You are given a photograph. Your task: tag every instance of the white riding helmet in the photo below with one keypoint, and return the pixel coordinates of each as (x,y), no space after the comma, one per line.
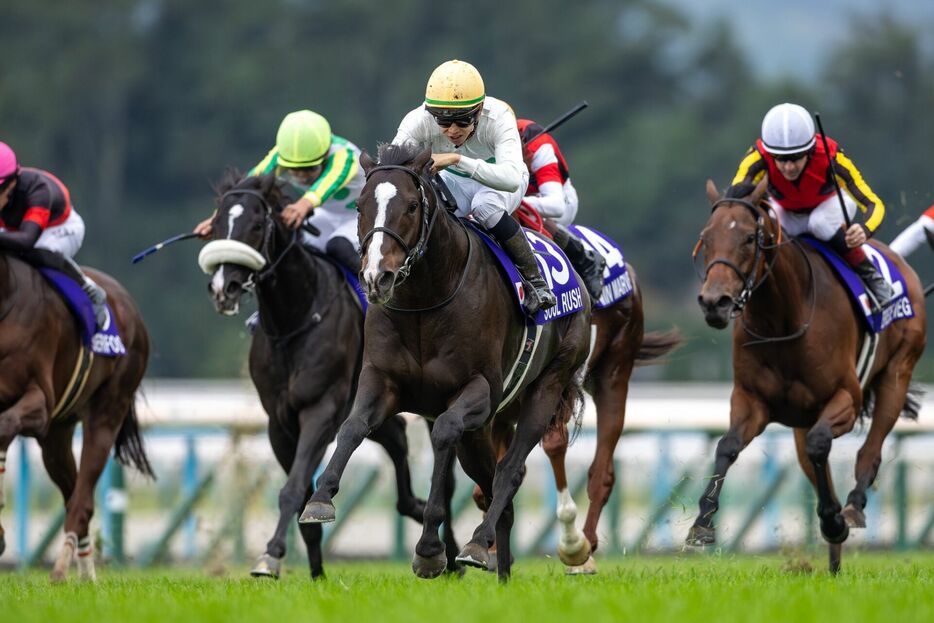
(787,129)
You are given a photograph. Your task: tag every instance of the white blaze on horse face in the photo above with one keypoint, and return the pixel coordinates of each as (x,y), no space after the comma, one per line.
(385,191)
(232,216)
(732,225)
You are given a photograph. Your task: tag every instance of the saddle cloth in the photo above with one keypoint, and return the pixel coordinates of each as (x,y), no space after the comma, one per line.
(617,282)
(897,309)
(555,267)
(106,341)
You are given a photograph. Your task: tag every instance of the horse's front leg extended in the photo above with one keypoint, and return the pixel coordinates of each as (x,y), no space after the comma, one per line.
(748,418)
(468,411)
(375,401)
(29,413)
(838,417)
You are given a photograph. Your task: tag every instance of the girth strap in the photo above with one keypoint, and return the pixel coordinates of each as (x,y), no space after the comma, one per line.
(533,335)
(76,384)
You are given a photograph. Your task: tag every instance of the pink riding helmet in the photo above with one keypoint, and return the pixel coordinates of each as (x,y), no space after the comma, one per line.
(8,164)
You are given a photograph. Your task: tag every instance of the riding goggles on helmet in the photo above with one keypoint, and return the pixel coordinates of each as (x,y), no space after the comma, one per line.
(791,157)
(462,118)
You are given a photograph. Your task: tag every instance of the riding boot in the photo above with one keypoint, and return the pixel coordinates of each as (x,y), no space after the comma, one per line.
(588,263)
(878,287)
(95,293)
(537,295)
(344,252)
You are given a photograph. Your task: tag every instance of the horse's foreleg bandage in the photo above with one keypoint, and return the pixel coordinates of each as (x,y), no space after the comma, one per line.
(86,559)
(573,547)
(65,556)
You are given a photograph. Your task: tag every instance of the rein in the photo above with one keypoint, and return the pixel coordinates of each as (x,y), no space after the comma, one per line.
(416,252)
(750,284)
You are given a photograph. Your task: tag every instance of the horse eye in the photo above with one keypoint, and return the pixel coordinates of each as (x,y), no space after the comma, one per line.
(412,207)
(750,238)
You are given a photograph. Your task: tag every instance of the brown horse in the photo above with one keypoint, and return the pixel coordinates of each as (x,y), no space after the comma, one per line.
(39,346)
(795,344)
(440,341)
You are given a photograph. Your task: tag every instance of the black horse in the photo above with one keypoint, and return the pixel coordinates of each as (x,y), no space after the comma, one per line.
(305,354)
(441,342)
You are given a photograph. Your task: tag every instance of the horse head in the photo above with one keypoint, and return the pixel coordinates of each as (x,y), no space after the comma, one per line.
(735,242)
(397,210)
(244,230)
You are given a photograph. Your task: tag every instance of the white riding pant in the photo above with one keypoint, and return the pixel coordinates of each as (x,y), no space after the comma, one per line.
(913,237)
(486,205)
(333,224)
(822,222)
(64,238)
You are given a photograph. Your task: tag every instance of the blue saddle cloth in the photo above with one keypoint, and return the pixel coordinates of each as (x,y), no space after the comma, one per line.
(898,308)
(555,267)
(617,282)
(354,282)
(106,341)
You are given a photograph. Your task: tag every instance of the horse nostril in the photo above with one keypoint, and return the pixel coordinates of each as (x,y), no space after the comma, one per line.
(725,301)
(232,289)
(385,281)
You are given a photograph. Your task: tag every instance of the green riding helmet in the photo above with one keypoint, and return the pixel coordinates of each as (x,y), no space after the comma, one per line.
(303,140)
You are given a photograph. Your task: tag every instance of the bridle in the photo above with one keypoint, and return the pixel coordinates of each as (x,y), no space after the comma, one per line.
(414,253)
(748,278)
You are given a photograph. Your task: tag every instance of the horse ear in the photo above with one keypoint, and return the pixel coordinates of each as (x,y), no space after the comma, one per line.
(422,160)
(713,195)
(266,183)
(759,191)
(366,162)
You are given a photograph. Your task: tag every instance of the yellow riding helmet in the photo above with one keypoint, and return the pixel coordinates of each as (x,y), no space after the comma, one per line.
(454,85)
(303,140)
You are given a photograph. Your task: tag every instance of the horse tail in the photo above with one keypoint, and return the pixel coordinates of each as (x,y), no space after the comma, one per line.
(656,345)
(570,407)
(909,411)
(129,447)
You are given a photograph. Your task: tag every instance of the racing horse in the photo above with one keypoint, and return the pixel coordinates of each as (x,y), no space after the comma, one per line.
(796,339)
(305,354)
(50,381)
(441,340)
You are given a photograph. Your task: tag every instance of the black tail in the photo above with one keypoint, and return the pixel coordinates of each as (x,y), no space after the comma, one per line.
(129,447)
(570,407)
(912,402)
(656,345)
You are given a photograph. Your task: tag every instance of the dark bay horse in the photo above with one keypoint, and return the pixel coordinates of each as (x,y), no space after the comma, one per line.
(795,344)
(305,354)
(620,343)
(40,343)
(440,341)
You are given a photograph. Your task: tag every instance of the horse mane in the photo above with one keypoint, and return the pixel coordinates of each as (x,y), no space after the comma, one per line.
(401,154)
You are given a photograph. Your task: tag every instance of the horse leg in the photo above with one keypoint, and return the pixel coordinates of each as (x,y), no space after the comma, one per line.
(477,454)
(391,435)
(469,410)
(59,461)
(836,418)
(835,549)
(748,418)
(891,391)
(299,459)
(374,402)
(27,413)
(573,546)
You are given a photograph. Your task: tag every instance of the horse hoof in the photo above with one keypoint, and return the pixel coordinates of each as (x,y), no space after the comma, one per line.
(700,536)
(588,568)
(474,555)
(575,558)
(836,553)
(855,518)
(429,567)
(838,533)
(317,512)
(267,567)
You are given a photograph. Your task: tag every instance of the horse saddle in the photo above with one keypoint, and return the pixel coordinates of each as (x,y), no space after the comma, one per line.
(104,341)
(617,282)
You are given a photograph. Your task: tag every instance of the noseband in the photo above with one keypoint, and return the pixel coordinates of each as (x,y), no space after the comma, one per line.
(413,253)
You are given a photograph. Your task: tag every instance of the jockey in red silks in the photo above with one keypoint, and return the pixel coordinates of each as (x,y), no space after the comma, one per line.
(552,195)
(915,235)
(38,221)
(802,192)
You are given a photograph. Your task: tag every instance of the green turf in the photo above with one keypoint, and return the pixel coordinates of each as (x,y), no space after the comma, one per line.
(894,588)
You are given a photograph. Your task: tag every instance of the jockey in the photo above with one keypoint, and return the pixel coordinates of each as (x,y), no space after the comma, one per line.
(915,235)
(476,150)
(802,192)
(323,167)
(38,222)
(552,195)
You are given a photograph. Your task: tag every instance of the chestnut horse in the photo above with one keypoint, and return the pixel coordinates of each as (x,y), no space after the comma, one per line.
(795,344)
(440,341)
(40,342)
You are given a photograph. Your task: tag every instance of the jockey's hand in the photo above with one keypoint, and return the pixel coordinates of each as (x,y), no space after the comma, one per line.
(855,236)
(204,228)
(295,214)
(443,161)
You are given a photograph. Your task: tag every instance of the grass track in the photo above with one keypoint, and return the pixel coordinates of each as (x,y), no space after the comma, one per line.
(894,588)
